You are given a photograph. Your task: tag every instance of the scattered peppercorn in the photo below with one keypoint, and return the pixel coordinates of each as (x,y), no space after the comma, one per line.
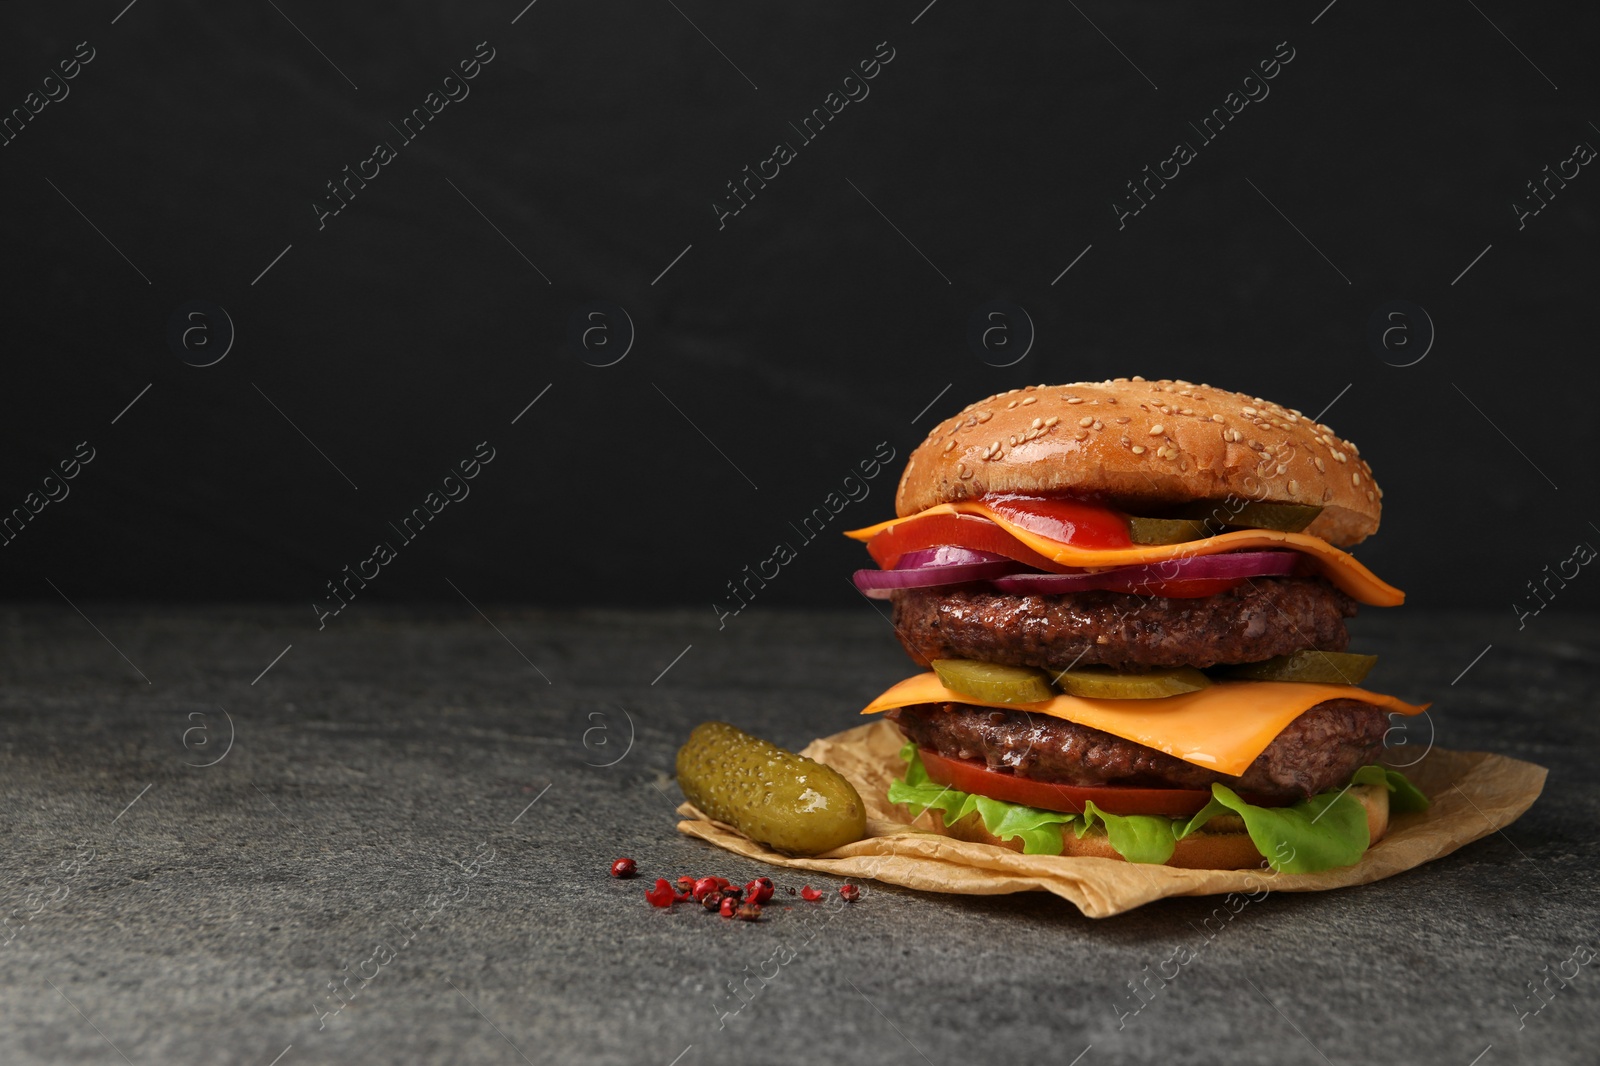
(722,896)
(624,868)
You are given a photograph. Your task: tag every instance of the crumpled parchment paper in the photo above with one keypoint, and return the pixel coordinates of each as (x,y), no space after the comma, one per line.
(1473,794)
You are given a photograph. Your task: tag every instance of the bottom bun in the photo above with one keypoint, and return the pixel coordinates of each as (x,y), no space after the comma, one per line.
(1222,845)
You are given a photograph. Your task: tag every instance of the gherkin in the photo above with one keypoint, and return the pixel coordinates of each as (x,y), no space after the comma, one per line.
(1097,682)
(993,682)
(1326,667)
(789,802)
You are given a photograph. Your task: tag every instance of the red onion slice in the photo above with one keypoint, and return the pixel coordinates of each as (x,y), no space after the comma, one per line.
(930,567)
(1123,578)
(947,555)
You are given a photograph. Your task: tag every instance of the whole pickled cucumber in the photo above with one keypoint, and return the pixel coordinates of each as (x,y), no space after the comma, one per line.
(1099,683)
(775,797)
(993,682)
(1325,667)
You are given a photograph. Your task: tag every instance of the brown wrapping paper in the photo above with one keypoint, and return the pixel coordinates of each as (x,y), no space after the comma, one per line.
(1473,794)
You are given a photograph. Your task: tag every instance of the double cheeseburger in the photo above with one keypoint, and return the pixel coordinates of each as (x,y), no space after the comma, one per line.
(1130,600)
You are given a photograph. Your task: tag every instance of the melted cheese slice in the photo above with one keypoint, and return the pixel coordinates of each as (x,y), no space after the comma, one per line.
(1337,566)
(1223,727)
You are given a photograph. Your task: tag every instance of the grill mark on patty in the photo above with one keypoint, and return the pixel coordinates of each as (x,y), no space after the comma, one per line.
(1316,752)
(1257,620)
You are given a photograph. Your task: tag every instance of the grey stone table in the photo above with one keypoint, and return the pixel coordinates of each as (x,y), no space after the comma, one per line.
(391,845)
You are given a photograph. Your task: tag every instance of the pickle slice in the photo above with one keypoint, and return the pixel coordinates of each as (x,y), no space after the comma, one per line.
(1101,683)
(775,797)
(1285,517)
(1324,667)
(993,682)
(1166,530)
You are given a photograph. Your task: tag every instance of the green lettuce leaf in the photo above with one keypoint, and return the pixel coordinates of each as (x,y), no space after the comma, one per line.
(1040,831)
(1320,833)
(1136,837)
(1404,797)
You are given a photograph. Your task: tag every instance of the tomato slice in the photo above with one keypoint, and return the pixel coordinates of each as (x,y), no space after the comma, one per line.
(1064,519)
(1061,518)
(966,776)
(961,530)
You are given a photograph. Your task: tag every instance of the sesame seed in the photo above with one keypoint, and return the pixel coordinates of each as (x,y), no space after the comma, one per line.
(1082,434)
(1157,429)
(1086,421)
(949,444)
(1369,494)
(1355,478)
(1074,399)
(1186,411)
(1011,441)
(984,416)
(1249,412)
(1294,486)
(1037,422)
(1030,399)
(1216,418)
(1052,420)
(1138,449)
(994,446)
(1010,405)
(1321,466)
(1099,424)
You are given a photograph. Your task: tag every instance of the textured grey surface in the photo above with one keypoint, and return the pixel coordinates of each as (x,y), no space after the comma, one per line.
(378,770)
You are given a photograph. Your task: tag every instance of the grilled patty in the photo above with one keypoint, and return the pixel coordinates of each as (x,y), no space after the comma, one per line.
(1257,620)
(1318,751)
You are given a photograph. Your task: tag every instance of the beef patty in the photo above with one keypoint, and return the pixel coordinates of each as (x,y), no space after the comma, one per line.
(1318,751)
(1257,620)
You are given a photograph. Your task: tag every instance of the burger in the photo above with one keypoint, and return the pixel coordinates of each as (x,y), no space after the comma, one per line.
(1130,600)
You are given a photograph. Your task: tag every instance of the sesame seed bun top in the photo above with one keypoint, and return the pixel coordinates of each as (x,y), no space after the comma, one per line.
(1148,444)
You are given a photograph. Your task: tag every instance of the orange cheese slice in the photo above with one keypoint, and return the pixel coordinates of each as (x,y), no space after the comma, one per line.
(1339,567)
(1222,727)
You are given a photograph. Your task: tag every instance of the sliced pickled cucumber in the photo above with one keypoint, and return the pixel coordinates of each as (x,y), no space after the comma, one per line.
(1101,683)
(1286,517)
(1167,530)
(993,682)
(1326,667)
(775,797)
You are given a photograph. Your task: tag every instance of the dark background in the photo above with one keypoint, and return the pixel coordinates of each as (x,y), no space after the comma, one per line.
(801,335)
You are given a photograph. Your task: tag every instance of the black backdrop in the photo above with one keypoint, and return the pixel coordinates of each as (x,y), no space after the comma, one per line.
(771,350)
